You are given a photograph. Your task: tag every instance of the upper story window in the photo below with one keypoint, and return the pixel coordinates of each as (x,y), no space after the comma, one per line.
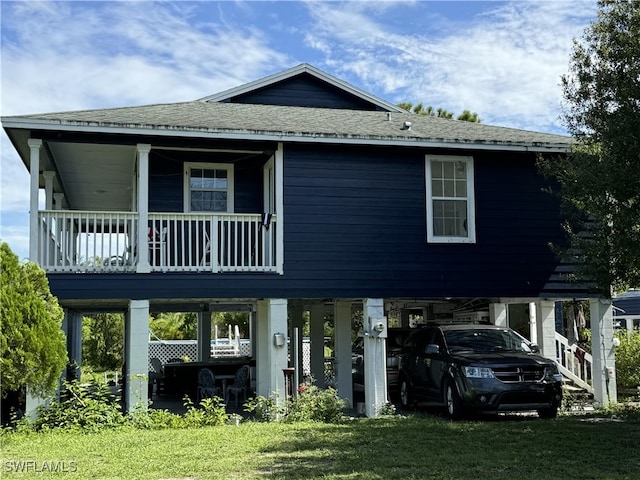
(208,187)
(450,199)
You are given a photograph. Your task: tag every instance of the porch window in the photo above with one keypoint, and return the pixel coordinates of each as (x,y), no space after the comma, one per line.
(450,199)
(208,187)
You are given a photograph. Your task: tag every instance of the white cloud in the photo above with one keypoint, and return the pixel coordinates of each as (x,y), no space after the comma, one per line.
(60,56)
(505,64)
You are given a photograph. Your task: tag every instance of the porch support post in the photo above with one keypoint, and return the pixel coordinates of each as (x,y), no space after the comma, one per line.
(73,331)
(204,336)
(603,352)
(58,198)
(498,314)
(316,327)
(48,189)
(375,358)
(296,320)
(137,355)
(533,328)
(342,332)
(278,168)
(271,358)
(143,208)
(34,168)
(546,327)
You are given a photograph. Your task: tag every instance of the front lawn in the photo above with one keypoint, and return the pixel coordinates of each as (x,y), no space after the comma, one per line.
(416,447)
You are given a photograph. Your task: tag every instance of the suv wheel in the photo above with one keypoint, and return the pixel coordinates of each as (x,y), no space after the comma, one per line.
(548,413)
(406,395)
(452,401)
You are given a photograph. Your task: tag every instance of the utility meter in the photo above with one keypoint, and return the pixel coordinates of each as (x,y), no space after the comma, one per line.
(378,327)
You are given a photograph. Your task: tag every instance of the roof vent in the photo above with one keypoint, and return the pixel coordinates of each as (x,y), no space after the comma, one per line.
(388,116)
(406,125)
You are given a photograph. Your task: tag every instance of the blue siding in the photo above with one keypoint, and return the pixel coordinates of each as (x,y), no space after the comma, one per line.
(355,227)
(629,302)
(166,182)
(304,91)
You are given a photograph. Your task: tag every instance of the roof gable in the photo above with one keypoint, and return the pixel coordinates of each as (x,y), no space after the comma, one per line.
(303,86)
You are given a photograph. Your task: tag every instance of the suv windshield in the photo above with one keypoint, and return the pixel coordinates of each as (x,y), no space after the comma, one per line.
(489,340)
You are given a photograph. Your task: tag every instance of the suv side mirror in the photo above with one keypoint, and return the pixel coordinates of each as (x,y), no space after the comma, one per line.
(535,348)
(431,349)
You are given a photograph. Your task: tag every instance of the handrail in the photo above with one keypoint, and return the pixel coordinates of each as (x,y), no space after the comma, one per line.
(89,241)
(574,363)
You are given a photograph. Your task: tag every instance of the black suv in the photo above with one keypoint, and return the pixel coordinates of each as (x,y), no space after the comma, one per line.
(477,367)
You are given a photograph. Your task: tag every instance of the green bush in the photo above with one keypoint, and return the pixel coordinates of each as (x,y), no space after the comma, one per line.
(86,407)
(628,359)
(211,412)
(264,409)
(316,405)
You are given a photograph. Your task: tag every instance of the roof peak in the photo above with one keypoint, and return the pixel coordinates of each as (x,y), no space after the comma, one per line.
(302,68)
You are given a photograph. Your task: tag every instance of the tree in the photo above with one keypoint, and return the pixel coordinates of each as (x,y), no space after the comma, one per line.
(600,178)
(32,344)
(103,340)
(429,111)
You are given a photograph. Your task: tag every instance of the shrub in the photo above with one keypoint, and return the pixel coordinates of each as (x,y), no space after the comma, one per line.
(628,359)
(86,407)
(264,409)
(210,412)
(316,405)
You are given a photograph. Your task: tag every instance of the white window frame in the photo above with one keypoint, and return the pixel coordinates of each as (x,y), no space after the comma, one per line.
(208,166)
(470,198)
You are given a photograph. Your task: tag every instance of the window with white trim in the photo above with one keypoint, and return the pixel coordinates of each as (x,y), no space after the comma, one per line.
(450,199)
(208,187)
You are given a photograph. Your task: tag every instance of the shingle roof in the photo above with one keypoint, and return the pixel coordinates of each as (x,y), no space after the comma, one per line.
(284,123)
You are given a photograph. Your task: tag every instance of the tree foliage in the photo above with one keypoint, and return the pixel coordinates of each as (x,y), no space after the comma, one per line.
(103,340)
(32,344)
(420,109)
(600,179)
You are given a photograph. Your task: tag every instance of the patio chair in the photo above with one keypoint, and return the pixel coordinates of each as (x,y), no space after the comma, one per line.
(206,384)
(240,385)
(156,374)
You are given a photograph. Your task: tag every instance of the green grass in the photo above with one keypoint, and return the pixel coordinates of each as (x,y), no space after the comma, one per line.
(416,447)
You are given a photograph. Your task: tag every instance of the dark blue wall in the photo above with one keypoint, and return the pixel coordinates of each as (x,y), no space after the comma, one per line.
(304,91)
(355,226)
(166,181)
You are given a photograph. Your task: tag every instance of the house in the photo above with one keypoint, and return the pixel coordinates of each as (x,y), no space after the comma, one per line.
(626,310)
(296,192)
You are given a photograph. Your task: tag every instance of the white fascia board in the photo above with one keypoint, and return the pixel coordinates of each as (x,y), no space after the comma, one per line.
(137,129)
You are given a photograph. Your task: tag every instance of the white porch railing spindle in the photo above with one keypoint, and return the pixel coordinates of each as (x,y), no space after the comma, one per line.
(106,241)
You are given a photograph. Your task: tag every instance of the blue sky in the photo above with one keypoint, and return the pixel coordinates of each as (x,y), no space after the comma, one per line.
(502,60)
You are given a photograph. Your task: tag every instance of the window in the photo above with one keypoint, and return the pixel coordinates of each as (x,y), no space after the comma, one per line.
(450,199)
(208,187)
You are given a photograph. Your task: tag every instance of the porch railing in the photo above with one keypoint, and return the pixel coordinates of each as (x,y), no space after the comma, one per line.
(81,241)
(574,363)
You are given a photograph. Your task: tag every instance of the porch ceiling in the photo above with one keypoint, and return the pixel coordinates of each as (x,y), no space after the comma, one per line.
(96,177)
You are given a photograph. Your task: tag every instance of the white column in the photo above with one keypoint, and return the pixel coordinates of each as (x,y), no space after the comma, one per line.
(137,355)
(533,328)
(603,352)
(498,314)
(143,208)
(546,327)
(58,199)
(204,336)
(296,320)
(48,189)
(34,185)
(271,356)
(375,358)
(278,167)
(316,333)
(342,332)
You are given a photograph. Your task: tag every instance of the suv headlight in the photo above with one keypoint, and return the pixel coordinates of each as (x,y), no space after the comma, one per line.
(478,372)
(552,374)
